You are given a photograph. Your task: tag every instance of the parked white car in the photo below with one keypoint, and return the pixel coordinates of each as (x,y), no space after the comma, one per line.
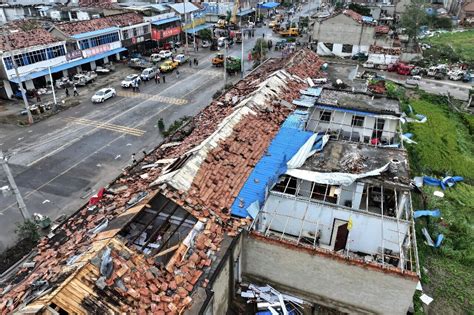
(181,59)
(165,54)
(103,94)
(148,74)
(129,79)
(414,80)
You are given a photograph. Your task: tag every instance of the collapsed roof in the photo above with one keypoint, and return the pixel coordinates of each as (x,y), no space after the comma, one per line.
(120,253)
(25,33)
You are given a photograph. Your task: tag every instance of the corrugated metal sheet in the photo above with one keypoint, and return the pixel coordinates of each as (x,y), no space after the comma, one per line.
(285,144)
(297,120)
(312,91)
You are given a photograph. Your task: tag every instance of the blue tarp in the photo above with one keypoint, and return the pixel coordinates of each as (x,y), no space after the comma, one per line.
(367,19)
(68,65)
(168,20)
(268,5)
(198,28)
(95,33)
(448,181)
(245,12)
(439,240)
(282,148)
(436,213)
(297,120)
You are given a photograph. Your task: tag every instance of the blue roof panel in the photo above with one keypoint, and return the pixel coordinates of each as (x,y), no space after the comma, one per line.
(168,20)
(95,33)
(282,148)
(246,12)
(198,28)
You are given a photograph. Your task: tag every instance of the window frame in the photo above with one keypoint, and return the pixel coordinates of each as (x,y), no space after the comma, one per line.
(356,120)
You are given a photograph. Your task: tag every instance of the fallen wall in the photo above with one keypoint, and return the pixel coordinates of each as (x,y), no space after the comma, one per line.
(325,280)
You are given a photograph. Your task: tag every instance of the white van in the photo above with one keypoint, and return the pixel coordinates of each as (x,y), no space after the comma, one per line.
(155,57)
(221,41)
(148,74)
(414,80)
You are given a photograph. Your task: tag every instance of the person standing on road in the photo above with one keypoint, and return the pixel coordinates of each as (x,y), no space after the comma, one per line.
(190,63)
(177,74)
(75,93)
(67,92)
(134,161)
(164,78)
(157,79)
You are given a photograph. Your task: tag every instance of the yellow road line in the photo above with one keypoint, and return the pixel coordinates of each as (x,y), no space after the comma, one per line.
(106,126)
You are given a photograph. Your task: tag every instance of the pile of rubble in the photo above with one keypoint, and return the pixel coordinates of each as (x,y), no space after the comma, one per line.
(105,4)
(385,50)
(377,87)
(125,19)
(145,284)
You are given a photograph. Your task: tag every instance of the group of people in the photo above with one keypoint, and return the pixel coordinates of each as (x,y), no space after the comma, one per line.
(74,88)
(194,61)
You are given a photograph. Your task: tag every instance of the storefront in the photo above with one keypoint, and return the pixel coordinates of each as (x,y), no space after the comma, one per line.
(137,38)
(166,31)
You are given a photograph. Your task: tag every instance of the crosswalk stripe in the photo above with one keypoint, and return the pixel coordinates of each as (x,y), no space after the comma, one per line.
(158,98)
(106,126)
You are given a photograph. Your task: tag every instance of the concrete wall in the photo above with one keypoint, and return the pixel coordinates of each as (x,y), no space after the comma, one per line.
(342,29)
(325,280)
(338,118)
(285,213)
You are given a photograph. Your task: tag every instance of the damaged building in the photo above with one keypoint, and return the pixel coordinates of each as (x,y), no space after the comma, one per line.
(280,216)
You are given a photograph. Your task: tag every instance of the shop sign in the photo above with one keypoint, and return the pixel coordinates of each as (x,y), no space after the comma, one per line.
(157,34)
(100,49)
(75,54)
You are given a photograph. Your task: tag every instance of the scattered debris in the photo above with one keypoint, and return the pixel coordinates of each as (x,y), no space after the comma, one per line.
(426,299)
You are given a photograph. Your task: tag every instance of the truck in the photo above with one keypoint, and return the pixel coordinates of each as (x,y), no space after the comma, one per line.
(400,68)
(84,78)
(139,64)
(233,65)
(292,31)
(218,60)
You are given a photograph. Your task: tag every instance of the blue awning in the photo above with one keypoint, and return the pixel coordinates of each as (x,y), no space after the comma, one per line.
(246,12)
(198,28)
(168,20)
(68,65)
(95,33)
(268,5)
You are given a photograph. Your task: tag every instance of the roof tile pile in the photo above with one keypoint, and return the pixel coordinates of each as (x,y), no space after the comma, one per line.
(354,15)
(385,50)
(143,284)
(96,3)
(22,35)
(382,29)
(125,19)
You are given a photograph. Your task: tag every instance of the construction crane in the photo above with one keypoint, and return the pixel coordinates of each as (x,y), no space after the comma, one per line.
(233,18)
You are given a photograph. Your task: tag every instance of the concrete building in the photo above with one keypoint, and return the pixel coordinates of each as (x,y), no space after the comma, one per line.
(34,51)
(357,35)
(220,209)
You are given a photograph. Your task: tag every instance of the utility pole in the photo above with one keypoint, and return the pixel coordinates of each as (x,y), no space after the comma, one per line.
(185,34)
(21,204)
(52,88)
(225,63)
(242,36)
(17,74)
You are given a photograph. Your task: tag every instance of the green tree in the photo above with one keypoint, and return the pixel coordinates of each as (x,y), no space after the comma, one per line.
(260,50)
(415,16)
(28,230)
(360,9)
(205,34)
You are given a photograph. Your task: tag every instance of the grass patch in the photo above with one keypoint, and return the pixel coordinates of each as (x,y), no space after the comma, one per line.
(462,43)
(445,143)
(445,146)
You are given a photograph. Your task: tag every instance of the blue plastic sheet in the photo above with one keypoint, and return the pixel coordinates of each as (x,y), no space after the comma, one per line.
(448,181)
(439,240)
(436,213)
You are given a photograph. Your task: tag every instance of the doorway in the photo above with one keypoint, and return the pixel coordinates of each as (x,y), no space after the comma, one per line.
(339,234)
(378,128)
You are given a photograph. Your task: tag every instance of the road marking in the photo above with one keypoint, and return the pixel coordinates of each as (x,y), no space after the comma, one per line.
(212,73)
(158,98)
(106,126)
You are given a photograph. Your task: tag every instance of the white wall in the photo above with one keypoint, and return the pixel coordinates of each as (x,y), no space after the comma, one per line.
(338,118)
(381,59)
(39,66)
(366,233)
(337,50)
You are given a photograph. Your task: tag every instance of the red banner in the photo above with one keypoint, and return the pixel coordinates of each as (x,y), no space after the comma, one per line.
(162,34)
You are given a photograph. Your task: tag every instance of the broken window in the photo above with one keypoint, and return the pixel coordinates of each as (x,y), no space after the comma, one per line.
(347,48)
(286,185)
(329,46)
(325,116)
(358,121)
